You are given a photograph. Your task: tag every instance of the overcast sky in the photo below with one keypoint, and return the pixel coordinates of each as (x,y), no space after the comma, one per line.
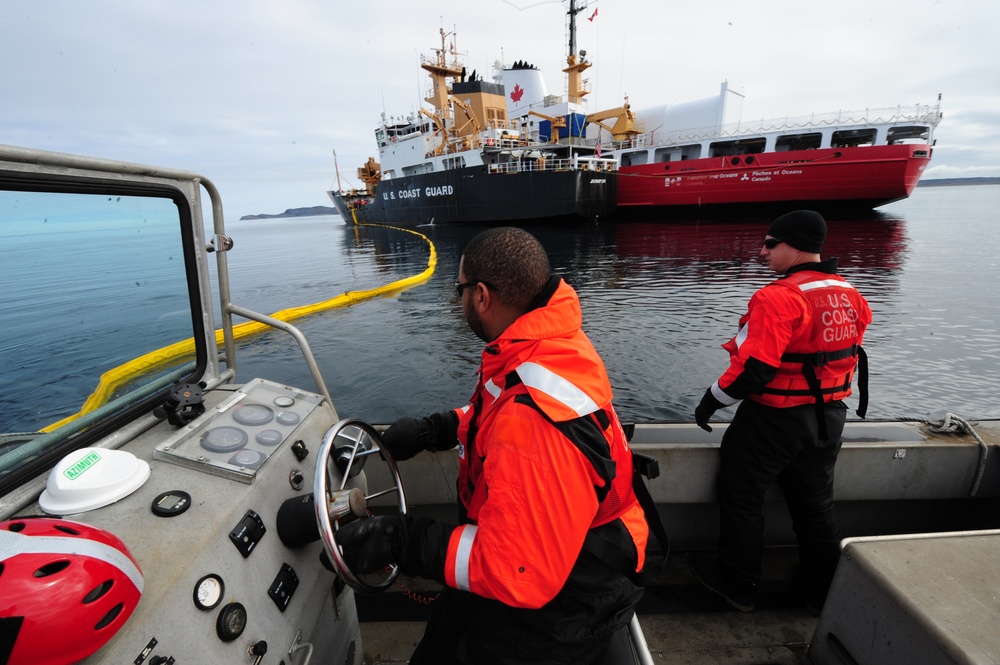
(257,94)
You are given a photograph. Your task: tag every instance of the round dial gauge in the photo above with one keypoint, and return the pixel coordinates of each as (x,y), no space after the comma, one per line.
(224,439)
(253,414)
(208,592)
(232,620)
(269,437)
(247,457)
(288,418)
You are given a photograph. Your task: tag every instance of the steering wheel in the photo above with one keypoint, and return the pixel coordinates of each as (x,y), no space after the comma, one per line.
(346,447)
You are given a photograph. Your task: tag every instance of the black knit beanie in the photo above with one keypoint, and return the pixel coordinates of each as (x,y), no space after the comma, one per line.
(802,229)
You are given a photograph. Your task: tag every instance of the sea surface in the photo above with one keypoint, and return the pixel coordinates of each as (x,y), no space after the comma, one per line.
(658,301)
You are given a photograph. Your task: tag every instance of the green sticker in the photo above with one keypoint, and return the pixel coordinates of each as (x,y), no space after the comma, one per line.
(87,461)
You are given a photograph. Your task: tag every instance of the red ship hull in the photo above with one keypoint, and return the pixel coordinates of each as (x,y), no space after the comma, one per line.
(861,177)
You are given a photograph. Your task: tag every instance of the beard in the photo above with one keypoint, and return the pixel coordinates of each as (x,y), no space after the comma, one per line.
(476,325)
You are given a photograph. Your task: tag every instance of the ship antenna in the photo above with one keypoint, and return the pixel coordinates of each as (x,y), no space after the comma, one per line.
(573,11)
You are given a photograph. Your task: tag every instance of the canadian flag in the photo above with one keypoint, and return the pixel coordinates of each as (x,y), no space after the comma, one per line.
(593,15)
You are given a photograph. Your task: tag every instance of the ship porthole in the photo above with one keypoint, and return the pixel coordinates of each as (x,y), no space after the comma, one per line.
(734,161)
(749,160)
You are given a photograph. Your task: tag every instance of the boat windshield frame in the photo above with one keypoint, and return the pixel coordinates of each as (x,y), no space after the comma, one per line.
(34,177)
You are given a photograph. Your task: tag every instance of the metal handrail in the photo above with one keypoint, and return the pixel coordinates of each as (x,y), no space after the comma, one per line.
(295,333)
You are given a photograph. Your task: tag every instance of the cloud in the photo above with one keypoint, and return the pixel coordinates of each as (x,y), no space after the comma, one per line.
(257,94)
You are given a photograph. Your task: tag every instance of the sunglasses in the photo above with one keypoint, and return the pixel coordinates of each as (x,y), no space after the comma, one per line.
(461,286)
(771,243)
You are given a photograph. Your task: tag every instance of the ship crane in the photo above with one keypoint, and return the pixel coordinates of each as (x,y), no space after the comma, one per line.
(557,123)
(624,126)
(470,114)
(370,174)
(458,131)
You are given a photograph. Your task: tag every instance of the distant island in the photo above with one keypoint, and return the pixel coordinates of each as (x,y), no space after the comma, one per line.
(945,182)
(314,211)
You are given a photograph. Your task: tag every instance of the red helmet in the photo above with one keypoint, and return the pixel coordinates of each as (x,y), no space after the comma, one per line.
(65,589)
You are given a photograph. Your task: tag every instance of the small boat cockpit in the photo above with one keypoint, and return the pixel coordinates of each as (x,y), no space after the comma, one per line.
(153,510)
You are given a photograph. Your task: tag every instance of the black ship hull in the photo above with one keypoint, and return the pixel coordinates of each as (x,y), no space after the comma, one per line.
(472,196)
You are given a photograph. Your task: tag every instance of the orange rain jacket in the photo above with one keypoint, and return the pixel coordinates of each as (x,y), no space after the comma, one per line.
(812,315)
(529,492)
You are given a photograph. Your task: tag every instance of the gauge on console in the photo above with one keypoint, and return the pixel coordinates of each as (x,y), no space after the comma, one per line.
(224,439)
(171,504)
(288,418)
(253,414)
(231,623)
(208,592)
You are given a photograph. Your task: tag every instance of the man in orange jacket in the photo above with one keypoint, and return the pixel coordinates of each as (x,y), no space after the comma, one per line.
(791,364)
(542,567)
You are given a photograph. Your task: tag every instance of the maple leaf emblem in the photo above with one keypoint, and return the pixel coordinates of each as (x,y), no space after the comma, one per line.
(517,93)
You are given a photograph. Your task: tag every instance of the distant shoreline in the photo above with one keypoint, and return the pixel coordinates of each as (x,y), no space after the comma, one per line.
(947,182)
(316,211)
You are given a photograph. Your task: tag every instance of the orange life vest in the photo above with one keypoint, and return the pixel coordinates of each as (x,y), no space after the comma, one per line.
(820,360)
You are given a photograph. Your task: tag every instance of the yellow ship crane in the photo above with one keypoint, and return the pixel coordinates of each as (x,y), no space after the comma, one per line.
(557,123)
(370,174)
(624,125)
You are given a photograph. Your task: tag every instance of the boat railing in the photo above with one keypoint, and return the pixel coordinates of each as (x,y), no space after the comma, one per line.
(503,144)
(637,141)
(918,114)
(597,163)
(550,164)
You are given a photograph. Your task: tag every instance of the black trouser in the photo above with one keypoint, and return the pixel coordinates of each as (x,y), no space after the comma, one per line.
(764,445)
(574,628)
(457,634)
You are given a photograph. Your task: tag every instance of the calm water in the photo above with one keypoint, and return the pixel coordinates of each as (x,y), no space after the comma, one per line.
(658,300)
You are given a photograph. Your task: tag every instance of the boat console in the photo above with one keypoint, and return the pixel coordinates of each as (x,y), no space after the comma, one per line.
(204,529)
(194,490)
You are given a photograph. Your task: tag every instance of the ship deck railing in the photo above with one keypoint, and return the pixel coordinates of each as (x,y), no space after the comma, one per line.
(503,143)
(549,164)
(920,114)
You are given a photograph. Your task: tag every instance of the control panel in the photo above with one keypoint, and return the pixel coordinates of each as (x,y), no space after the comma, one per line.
(219,584)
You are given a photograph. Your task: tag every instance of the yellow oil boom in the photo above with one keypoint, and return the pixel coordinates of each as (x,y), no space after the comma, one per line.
(153,361)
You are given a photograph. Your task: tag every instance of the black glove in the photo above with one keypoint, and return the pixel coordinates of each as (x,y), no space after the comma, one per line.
(407,436)
(418,545)
(371,544)
(705,409)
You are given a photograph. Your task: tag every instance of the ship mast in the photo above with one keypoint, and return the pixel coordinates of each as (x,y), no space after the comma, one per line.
(576,86)
(440,71)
